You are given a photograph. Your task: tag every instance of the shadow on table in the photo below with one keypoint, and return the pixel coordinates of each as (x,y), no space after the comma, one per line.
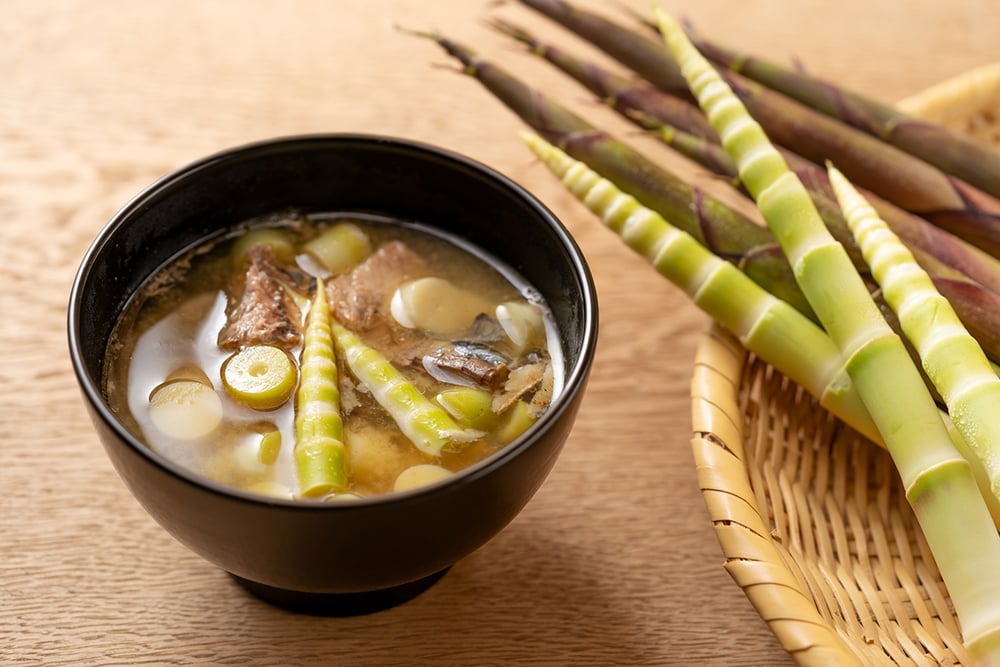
(530,596)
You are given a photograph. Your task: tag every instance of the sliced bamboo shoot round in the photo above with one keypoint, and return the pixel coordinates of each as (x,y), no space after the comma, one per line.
(261,376)
(189,372)
(268,447)
(420,475)
(279,241)
(437,306)
(339,248)
(471,407)
(516,420)
(185,409)
(522,322)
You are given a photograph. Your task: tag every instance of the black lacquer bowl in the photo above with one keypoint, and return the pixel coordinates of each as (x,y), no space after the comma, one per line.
(349,557)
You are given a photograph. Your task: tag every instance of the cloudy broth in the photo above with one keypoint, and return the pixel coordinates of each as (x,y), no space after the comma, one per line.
(437,324)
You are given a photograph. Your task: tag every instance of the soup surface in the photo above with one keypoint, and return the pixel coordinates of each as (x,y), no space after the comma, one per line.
(332,357)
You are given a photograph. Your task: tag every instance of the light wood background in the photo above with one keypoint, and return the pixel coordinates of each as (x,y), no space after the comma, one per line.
(614,562)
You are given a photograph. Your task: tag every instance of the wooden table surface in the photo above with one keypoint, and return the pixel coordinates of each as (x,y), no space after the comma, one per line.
(614,562)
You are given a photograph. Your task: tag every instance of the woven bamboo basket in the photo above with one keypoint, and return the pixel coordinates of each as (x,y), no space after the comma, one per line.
(811,517)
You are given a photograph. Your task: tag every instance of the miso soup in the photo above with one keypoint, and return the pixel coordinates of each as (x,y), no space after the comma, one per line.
(331,357)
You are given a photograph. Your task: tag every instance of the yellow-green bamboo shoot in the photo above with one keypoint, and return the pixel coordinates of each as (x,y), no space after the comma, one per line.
(260,376)
(951,357)
(765,325)
(427,425)
(938,481)
(320,460)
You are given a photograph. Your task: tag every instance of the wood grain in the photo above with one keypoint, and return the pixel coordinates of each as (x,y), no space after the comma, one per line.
(613,563)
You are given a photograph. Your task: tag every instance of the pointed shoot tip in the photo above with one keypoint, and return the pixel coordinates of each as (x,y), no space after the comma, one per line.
(835,175)
(427,34)
(529,138)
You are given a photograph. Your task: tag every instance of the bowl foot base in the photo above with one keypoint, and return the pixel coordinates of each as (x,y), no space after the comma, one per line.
(339,604)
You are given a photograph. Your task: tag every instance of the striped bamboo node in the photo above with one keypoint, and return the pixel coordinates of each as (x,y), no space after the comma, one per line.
(811,516)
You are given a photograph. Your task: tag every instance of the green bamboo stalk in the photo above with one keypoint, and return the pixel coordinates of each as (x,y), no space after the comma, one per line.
(426,424)
(953,360)
(873,164)
(725,231)
(767,326)
(968,277)
(939,482)
(706,153)
(957,267)
(921,236)
(320,460)
(972,161)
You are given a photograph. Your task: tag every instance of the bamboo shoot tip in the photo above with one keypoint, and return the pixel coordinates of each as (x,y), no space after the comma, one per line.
(416,33)
(533,141)
(663,18)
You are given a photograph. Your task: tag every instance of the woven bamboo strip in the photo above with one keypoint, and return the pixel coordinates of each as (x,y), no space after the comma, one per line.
(812,521)
(969,102)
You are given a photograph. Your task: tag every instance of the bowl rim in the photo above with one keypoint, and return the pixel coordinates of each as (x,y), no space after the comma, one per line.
(576,374)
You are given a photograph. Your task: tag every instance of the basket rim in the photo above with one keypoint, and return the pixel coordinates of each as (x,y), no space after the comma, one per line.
(752,558)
